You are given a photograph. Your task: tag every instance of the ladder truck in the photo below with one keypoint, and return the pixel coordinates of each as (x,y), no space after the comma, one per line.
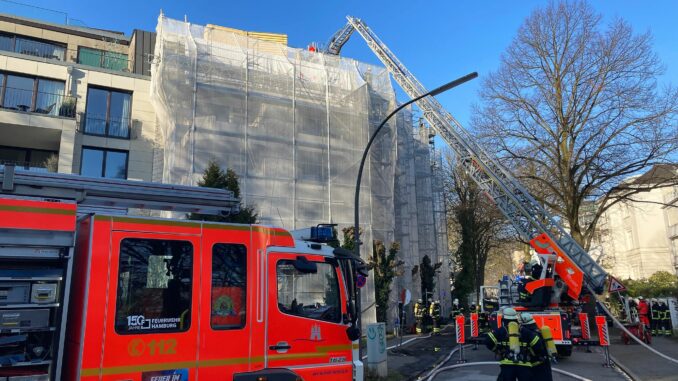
(567,267)
(90,292)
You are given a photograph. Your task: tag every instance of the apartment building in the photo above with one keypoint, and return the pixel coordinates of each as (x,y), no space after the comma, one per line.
(639,237)
(76,100)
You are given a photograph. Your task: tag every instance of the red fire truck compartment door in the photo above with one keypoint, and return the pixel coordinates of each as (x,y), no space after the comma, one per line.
(305,331)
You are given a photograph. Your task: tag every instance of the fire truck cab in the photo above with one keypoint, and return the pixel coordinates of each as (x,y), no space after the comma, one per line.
(129,298)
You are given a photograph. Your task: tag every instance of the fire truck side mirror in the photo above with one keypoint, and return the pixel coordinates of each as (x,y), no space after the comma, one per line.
(305,266)
(353,333)
(352,310)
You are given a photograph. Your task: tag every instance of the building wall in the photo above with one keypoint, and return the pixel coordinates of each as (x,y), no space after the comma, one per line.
(65,135)
(634,239)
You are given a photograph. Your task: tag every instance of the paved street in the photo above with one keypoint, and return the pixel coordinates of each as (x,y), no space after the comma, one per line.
(641,363)
(588,365)
(417,357)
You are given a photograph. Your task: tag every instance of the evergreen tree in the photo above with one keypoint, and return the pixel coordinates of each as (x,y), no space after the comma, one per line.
(386,267)
(215,177)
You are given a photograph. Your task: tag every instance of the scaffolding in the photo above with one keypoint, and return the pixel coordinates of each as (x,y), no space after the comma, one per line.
(292,124)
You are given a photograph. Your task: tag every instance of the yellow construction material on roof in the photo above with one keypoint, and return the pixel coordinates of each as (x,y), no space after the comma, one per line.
(222,33)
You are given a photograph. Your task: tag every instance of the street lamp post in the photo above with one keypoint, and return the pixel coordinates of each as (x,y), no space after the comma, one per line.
(356,227)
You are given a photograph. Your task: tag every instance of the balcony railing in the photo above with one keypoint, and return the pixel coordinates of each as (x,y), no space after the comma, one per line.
(103,59)
(32,47)
(38,102)
(25,165)
(100,125)
(84,56)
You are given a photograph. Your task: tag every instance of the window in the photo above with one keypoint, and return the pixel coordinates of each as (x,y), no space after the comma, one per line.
(29,159)
(38,95)
(103,59)
(229,286)
(310,295)
(32,47)
(154,286)
(108,112)
(96,162)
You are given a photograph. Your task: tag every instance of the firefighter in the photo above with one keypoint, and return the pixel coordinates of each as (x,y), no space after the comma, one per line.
(524,296)
(419,315)
(643,312)
(434,310)
(534,348)
(654,316)
(664,317)
(505,343)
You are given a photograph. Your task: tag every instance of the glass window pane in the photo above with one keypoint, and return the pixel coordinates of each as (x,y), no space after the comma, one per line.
(91,57)
(92,162)
(39,49)
(19,93)
(229,286)
(115,61)
(13,155)
(119,114)
(311,295)
(6,43)
(154,286)
(116,165)
(50,96)
(95,113)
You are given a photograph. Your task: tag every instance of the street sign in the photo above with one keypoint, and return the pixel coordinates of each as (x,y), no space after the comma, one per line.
(405,297)
(615,285)
(360,281)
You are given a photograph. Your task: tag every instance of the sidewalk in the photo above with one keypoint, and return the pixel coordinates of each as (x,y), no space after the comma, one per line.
(418,354)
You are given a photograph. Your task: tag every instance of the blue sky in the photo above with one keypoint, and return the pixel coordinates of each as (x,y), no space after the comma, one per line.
(437,40)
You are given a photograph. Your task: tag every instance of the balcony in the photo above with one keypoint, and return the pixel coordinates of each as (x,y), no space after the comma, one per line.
(30,166)
(100,125)
(30,101)
(103,59)
(31,47)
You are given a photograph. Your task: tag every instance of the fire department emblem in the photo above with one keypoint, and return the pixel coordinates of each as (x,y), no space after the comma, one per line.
(315,333)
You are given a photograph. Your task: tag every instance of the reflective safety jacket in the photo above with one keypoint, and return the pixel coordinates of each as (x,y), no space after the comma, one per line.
(533,350)
(523,295)
(419,310)
(655,311)
(497,341)
(434,310)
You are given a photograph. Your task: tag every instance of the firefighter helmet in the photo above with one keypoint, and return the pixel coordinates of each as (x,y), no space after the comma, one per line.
(509,314)
(526,318)
(640,298)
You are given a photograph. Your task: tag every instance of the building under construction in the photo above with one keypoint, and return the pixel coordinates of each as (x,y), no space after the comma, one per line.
(293,125)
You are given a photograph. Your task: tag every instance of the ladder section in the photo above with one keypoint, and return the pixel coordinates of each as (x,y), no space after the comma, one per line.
(113,193)
(339,39)
(524,212)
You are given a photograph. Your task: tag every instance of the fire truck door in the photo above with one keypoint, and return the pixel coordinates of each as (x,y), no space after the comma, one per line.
(306,307)
(152,312)
(226,318)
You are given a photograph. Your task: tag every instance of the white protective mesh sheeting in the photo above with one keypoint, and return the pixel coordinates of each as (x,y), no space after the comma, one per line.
(291,123)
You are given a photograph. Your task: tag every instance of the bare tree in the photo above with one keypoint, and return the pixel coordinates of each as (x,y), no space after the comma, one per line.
(575,109)
(476,227)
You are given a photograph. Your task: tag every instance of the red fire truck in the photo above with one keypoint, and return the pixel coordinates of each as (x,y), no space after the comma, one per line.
(89,292)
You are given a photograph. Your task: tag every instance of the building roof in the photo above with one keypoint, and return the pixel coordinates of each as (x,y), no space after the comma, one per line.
(99,34)
(659,173)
